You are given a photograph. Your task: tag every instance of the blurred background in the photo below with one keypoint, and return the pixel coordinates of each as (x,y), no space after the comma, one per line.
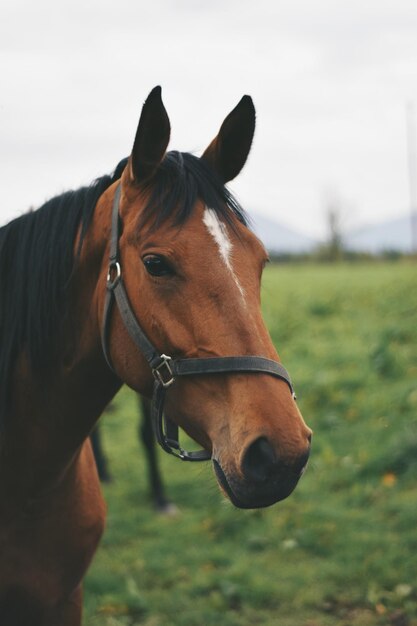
(331,187)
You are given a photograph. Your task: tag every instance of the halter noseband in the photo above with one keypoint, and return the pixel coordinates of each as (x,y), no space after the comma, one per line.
(164,368)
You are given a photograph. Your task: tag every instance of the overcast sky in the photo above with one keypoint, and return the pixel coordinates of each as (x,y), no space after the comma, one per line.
(330,81)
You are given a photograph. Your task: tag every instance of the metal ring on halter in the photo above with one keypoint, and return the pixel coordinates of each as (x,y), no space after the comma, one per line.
(115,265)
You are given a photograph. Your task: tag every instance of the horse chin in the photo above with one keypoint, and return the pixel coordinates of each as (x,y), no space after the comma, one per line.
(251,499)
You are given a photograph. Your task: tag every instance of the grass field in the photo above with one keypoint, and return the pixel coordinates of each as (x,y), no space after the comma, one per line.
(342,550)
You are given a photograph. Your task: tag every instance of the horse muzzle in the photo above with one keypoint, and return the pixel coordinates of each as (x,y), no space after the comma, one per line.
(263,479)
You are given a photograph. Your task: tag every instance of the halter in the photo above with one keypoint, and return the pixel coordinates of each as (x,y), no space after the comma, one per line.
(165,369)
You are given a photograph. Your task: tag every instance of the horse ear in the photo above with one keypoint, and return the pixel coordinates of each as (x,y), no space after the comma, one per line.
(152,137)
(228,152)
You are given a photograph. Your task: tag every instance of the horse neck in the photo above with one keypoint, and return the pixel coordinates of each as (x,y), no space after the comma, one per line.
(53,414)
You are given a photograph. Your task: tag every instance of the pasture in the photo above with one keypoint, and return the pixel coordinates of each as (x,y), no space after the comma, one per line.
(342,549)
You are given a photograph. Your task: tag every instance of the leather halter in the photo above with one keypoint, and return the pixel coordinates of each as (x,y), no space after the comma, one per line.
(165,369)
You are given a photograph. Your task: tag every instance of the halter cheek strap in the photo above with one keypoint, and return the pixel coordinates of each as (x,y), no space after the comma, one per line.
(165,369)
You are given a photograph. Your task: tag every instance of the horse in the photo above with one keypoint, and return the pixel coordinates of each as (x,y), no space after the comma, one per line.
(149,277)
(157,492)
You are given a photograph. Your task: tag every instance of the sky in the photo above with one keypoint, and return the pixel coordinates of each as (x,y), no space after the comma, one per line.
(330,80)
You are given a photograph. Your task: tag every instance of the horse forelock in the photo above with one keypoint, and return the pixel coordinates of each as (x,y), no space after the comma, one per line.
(179,182)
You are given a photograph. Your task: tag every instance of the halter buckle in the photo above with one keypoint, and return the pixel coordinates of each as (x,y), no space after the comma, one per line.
(163,372)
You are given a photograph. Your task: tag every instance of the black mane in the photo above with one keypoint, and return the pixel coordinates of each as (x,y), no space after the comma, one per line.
(36,262)
(37,255)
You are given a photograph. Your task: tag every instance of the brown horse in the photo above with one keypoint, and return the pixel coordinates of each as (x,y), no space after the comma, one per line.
(183,279)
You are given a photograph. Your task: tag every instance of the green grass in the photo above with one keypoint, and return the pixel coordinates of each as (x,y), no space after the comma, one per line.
(342,550)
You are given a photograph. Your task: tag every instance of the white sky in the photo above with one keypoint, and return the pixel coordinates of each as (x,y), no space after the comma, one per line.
(330,81)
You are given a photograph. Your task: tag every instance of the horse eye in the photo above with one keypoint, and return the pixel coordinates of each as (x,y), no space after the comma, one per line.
(156,265)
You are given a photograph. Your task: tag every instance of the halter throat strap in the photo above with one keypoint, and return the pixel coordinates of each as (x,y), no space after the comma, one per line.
(165,369)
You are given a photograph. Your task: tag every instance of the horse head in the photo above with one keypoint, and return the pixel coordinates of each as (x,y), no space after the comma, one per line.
(192,270)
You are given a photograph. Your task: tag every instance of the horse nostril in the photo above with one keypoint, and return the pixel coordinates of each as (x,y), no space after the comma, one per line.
(259,460)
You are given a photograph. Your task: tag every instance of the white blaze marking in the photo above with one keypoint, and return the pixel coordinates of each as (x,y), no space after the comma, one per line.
(218,231)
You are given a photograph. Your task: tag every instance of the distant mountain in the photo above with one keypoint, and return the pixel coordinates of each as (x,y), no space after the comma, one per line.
(388,235)
(279,238)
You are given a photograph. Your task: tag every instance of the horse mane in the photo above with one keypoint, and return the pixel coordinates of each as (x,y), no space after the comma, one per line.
(37,255)
(36,263)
